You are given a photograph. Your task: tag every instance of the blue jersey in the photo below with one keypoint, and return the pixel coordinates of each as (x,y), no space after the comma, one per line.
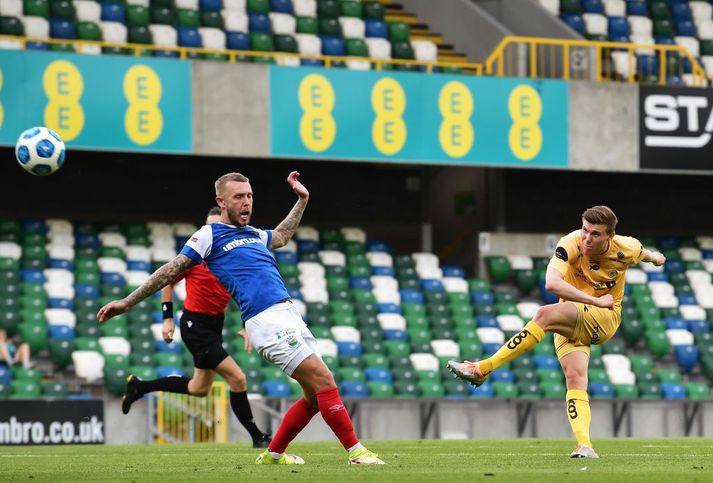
(240,260)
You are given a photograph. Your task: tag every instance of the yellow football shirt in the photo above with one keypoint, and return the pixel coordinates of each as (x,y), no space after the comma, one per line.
(601,274)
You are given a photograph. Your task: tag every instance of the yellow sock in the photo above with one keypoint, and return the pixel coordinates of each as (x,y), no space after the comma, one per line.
(579,415)
(520,343)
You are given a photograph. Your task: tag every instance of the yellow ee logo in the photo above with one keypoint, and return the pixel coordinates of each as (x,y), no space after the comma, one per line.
(64,85)
(388,131)
(455,103)
(317,126)
(525,107)
(143,120)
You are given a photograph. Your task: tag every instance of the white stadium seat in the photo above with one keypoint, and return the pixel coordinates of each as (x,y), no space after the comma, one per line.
(510,323)
(60,252)
(425,50)
(327,347)
(213,38)
(352,28)
(690,43)
(424,362)
(88,365)
(552,6)
(61,317)
(311,269)
(527,310)
(332,258)
(378,48)
(305,8)
(283,23)
(157,331)
(380,259)
(11,8)
(595,23)
(235,21)
(391,321)
(521,262)
(115,345)
(307,233)
(614,8)
(354,234)
(87,11)
(455,284)
(309,44)
(679,337)
(138,253)
(346,334)
(692,312)
(113,240)
(641,25)
(10,250)
(59,291)
(445,348)
(690,254)
(490,335)
(184,229)
(187,4)
(163,254)
(39,27)
(701,11)
(290,247)
(635,275)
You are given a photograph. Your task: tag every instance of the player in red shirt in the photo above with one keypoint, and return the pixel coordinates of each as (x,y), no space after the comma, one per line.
(201,332)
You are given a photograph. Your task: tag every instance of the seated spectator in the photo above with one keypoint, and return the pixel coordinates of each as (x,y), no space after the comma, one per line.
(12,350)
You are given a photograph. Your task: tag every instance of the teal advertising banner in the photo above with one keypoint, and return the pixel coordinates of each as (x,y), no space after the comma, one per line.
(103,102)
(416,117)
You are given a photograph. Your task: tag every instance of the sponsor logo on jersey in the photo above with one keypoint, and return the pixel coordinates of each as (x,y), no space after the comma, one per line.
(613,273)
(237,243)
(561,253)
(620,255)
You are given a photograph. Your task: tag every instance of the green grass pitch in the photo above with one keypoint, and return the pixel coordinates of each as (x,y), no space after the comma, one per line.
(526,460)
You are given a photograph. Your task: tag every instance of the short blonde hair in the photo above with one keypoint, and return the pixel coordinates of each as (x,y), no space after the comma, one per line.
(223,180)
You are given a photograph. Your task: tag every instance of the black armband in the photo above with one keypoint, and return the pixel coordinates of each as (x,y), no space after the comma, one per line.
(167,309)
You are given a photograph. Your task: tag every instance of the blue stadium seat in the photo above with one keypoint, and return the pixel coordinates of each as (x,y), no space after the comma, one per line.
(259,22)
(431,285)
(661,40)
(34,226)
(282,6)
(674,266)
(62,29)
(33,276)
(312,62)
(376,28)
(138,266)
(188,37)
(162,346)
(637,7)
(165,54)
(619,38)
(61,332)
(544,361)
(169,371)
(360,283)
(378,374)
(484,391)
(276,389)
(687,300)
(288,258)
(111,278)
(395,334)
(482,298)
(60,263)
(349,349)
(354,389)
(37,46)
(547,297)
(307,246)
(87,240)
(696,326)
(377,246)
(502,375)
(157,317)
(389,308)
(686,356)
(487,321)
(409,295)
(672,390)
(57,303)
(295,293)
(680,11)
(618,26)
(332,45)
(593,6)
(601,390)
(211,5)
(657,276)
(451,271)
(86,291)
(674,80)
(707,253)
(5,374)
(575,21)
(648,64)
(113,12)
(675,323)
(385,271)
(668,243)
(490,348)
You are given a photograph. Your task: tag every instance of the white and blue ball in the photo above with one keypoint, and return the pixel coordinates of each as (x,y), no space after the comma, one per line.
(40,151)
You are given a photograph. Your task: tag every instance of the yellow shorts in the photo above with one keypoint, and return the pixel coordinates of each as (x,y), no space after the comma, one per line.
(595,325)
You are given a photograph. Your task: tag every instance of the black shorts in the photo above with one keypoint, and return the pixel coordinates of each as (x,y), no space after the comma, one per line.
(202,334)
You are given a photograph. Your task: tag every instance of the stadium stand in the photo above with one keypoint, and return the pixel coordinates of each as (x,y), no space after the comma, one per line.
(386,322)
(343,28)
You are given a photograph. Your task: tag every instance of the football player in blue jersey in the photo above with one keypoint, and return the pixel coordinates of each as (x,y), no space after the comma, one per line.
(238,255)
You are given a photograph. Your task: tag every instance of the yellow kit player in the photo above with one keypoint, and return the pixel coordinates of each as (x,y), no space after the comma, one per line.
(587,272)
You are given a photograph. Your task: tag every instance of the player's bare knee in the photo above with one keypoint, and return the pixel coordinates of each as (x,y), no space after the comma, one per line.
(575,377)
(199,391)
(543,317)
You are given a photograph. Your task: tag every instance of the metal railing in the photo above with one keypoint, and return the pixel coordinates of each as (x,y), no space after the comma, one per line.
(590,60)
(180,418)
(280,58)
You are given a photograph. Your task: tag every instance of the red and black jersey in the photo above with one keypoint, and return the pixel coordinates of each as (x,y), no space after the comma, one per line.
(204,293)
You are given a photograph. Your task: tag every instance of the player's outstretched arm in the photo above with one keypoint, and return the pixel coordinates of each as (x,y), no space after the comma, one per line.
(555,283)
(284,231)
(656,258)
(159,279)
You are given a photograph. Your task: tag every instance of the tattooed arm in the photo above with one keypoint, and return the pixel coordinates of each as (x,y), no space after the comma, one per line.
(159,279)
(284,231)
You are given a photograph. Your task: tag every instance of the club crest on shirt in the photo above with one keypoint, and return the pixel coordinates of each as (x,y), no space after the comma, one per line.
(613,273)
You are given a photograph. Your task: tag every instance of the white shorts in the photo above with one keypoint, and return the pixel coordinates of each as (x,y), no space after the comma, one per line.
(281,336)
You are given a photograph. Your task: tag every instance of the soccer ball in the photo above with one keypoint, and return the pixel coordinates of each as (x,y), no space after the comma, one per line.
(40,151)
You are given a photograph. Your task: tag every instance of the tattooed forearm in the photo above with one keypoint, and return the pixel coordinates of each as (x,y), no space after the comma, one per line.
(159,279)
(284,231)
